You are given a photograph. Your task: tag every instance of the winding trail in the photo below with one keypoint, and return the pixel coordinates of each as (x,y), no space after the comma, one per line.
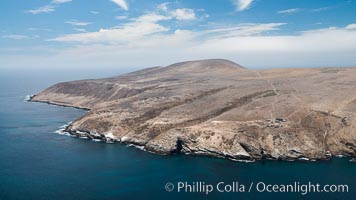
(297,98)
(273,111)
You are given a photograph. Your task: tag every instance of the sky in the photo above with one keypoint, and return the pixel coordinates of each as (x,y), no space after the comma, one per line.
(95,34)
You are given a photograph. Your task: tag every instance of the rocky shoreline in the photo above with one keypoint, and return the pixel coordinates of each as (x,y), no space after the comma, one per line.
(96,137)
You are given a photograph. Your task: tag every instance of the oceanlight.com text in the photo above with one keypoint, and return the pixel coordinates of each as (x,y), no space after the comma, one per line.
(260,187)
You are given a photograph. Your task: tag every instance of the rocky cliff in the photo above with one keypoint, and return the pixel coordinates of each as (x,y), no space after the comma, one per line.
(218,108)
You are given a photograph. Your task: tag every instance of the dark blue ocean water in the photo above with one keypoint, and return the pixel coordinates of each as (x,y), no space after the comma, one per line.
(36,163)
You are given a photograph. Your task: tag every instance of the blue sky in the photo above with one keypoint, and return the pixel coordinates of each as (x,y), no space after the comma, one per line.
(141,33)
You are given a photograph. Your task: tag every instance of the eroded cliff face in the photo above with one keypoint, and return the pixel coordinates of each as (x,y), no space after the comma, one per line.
(218,108)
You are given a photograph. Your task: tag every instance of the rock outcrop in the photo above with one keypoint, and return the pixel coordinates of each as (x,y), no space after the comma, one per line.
(218,108)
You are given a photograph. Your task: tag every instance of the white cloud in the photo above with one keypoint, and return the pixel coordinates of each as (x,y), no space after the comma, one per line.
(94,12)
(60,1)
(16,37)
(47,8)
(289,11)
(324,47)
(20,37)
(42,9)
(242,4)
(184,14)
(245,29)
(152,17)
(351,26)
(146,26)
(179,14)
(139,28)
(121,3)
(145,43)
(78,23)
(80,29)
(321,9)
(121,17)
(39,29)
(163,6)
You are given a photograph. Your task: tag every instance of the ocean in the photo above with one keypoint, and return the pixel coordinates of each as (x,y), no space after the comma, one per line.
(36,163)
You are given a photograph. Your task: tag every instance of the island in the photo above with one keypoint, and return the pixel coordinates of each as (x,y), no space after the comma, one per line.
(218,108)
